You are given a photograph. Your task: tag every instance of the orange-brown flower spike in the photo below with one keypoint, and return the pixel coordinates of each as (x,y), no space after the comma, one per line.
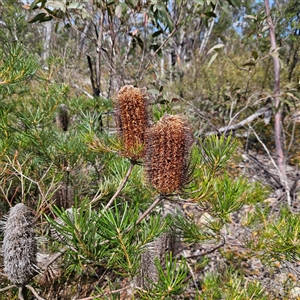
(132,120)
(167,154)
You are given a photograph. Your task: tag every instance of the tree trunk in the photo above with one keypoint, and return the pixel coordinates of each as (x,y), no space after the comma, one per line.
(278,107)
(206,35)
(47,40)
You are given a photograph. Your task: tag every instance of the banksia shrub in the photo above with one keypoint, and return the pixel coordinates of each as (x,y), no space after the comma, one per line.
(19,246)
(132,120)
(167,154)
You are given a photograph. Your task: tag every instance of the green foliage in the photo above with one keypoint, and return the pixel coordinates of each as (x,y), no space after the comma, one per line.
(278,238)
(172,279)
(217,151)
(231,195)
(15,64)
(49,169)
(229,284)
(207,231)
(106,238)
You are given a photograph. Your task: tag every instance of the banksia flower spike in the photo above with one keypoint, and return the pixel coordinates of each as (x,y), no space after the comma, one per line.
(132,120)
(167,154)
(19,246)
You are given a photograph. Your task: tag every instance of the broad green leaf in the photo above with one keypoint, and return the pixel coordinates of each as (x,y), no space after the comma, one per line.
(34,4)
(250,17)
(254,54)
(274,54)
(224,7)
(37,18)
(234,3)
(210,14)
(156,33)
(119,11)
(56,5)
(215,48)
(249,64)
(153,92)
(212,59)
(75,5)
(46,19)
(291,85)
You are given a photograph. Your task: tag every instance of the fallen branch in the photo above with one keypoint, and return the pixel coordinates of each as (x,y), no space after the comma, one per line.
(7,288)
(266,111)
(105,294)
(37,296)
(83,91)
(255,160)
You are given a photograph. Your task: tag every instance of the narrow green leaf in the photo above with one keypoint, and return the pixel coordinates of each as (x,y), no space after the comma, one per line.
(157,33)
(56,5)
(37,18)
(210,14)
(254,54)
(212,59)
(215,48)
(249,64)
(75,5)
(250,17)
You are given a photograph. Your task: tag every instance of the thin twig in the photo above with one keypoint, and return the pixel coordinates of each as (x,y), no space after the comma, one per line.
(20,295)
(203,114)
(104,294)
(8,288)
(265,169)
(281,176)
(121,186)
(37,296)
(193,275)
(142,217)
(258,113)
(55,257)
(206,252)
(163,43)
(83,91)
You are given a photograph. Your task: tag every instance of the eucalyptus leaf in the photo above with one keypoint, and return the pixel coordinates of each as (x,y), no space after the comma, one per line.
(75,5)
(212,59)
(216,48)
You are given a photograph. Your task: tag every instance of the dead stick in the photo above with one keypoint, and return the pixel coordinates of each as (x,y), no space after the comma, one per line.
(120,186)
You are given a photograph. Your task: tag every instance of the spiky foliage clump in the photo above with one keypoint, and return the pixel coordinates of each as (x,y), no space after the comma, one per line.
(132,120)
(19,246)
(167,154)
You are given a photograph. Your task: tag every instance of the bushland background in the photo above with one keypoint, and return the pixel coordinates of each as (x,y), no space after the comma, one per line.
(231,67)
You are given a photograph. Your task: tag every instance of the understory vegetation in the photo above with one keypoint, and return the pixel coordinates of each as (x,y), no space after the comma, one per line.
(150,169)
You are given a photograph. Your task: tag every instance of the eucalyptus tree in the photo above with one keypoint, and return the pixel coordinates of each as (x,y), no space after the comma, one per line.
(124,41)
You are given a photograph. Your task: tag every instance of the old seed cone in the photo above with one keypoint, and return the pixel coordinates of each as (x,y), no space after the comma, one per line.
(19,246)
(167,154)
(132,120)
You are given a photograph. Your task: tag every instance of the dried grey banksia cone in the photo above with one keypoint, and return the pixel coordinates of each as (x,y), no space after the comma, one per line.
(62,119)
(19,246)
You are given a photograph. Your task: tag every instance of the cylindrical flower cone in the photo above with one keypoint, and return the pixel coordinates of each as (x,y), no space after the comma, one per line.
(132,120)
(167,154)
(19,246)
